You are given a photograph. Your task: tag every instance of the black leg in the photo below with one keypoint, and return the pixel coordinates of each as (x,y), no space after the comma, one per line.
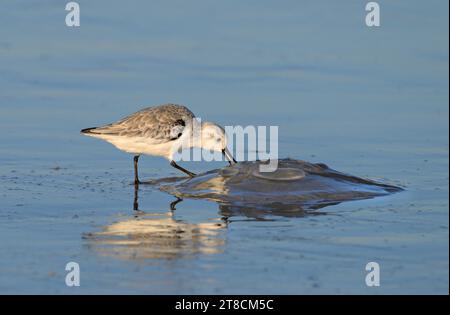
(136,177)
(174,203)
(136,200)
(181,169)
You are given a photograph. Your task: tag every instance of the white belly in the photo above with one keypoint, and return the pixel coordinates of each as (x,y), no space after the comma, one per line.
(139,145)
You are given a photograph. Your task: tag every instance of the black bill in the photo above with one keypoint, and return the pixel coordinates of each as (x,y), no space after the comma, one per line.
(229,156)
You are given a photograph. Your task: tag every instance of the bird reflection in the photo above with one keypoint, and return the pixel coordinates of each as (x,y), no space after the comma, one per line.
(149,235)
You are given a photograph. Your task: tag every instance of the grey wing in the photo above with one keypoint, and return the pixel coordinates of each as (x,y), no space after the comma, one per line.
(158,124)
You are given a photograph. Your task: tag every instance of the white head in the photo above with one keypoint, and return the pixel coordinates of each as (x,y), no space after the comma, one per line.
(205,135)
(212,137)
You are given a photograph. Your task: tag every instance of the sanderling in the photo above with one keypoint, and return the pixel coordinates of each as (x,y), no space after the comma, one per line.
(161,131)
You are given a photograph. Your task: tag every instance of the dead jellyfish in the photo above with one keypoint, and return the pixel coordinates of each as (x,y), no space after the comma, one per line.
(295,184)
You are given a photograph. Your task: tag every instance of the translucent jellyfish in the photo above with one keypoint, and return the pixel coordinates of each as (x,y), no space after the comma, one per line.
(295,188)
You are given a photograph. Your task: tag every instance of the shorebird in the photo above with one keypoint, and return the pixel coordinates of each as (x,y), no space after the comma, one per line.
(162,131)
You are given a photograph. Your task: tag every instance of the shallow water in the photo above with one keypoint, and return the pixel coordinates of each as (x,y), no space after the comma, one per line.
(370,103)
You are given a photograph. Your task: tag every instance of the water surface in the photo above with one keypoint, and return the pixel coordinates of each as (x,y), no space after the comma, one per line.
(372,103)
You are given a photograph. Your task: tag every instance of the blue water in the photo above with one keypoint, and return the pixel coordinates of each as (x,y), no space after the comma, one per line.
(369,102)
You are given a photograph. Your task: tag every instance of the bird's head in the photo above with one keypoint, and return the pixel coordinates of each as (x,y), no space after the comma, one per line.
(213,138)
